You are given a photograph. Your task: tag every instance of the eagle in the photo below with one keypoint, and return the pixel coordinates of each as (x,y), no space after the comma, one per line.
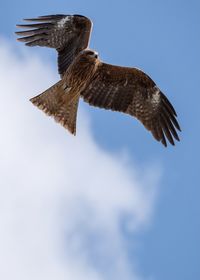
(83,74)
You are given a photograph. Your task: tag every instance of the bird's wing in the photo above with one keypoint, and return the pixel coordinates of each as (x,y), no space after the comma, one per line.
(131,91)
(68,34)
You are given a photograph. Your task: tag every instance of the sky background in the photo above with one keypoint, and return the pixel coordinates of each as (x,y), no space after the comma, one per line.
(140,218)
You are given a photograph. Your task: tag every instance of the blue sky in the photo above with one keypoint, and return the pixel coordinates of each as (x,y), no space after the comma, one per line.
(162,38)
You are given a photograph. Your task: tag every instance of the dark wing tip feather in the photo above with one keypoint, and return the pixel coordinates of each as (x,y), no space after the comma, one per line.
(167,131)
(168,104)
(35,25)
(36,35)
(46,18)
(161,136)
(170,125)
(38,29)
(164,124)
(168,122)
(26,33)
(27,38)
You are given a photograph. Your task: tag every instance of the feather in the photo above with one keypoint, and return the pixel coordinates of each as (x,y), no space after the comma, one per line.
(67,34)
(131,91)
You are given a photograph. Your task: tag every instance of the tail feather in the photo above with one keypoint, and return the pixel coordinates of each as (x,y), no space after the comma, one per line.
(60,103)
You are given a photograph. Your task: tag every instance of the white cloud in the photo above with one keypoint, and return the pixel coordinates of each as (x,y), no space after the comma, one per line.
(63,199)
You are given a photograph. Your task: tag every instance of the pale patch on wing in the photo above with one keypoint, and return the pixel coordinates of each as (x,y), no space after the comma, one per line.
(62,22)
(156,96)
(126,83)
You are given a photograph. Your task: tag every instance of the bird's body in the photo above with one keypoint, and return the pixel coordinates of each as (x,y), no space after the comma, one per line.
(61,100)
(83,74)
(80,72)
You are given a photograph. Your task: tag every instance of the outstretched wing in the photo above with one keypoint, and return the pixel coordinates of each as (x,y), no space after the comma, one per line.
(68,34)
(131,91)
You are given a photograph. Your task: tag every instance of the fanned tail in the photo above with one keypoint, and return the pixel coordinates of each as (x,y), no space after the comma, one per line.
(61,103)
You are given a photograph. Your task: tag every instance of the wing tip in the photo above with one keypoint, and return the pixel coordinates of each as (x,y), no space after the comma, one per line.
(168,120)
(51,18)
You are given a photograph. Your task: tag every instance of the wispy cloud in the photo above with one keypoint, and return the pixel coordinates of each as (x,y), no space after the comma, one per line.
(63,199)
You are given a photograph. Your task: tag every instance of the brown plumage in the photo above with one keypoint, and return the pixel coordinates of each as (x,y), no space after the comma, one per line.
(68,34)
(61,100)
(123,89)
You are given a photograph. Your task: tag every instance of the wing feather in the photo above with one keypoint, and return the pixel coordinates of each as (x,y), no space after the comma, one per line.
(67,34)
(131,91)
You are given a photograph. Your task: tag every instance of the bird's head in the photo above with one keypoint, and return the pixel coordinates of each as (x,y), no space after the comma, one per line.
(88,55)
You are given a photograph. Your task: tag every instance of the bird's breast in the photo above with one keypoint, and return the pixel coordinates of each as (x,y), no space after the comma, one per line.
(79,75)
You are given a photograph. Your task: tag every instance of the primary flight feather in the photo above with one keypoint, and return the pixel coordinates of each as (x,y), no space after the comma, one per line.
(83,74)
(68,34)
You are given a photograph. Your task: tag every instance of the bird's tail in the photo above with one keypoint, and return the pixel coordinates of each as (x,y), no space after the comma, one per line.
(61,103)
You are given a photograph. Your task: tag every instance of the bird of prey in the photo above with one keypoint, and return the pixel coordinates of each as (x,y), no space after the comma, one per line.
(83,74)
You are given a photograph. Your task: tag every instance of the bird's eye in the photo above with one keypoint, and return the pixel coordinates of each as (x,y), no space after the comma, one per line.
(92,54)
